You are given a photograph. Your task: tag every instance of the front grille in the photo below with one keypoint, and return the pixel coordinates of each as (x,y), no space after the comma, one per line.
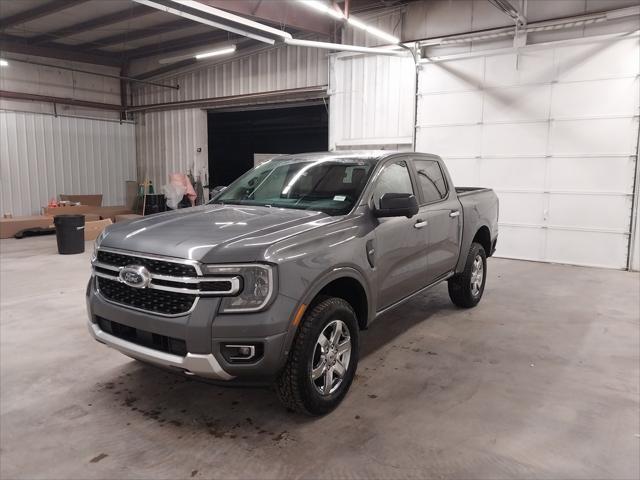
(143,338)
(159,267)
(158,301)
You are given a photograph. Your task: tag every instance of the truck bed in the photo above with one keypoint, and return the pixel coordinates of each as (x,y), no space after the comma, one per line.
(461,191)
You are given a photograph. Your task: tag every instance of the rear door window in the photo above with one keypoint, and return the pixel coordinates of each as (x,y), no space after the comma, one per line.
(431,180)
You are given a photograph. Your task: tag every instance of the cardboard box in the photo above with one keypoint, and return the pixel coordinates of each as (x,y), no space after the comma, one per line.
(91,217)
(111,212)
(93,229)
(90,200)
(127,217)
(70,210)
(10,226)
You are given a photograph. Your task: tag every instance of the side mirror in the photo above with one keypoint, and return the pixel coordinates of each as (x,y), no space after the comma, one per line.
(216,190)
(397,205)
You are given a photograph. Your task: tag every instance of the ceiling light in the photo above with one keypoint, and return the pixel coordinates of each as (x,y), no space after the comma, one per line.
(223,26)
(324,8)
(353,21)
(3,63)
(341,47)
(213,53)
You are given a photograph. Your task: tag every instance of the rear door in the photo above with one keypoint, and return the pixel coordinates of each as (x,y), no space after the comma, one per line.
(440,208)
(401,246)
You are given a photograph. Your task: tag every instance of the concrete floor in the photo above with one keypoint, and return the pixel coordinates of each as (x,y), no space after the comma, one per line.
(541,380)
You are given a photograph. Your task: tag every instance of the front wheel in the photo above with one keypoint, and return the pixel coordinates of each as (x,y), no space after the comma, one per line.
(323,359)
(466,288)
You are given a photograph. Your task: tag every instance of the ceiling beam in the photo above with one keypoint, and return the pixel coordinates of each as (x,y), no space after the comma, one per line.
(121,16)
(200,40)
(38,12)
(119,38)
(167,68)
(10,43)
(292,14)
(63,101)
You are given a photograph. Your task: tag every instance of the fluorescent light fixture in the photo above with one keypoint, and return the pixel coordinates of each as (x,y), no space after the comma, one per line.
(3,63)
(324,8)
(211,52)
(353,21)
(214,53)
(205,21)
(232,18)
(341,47)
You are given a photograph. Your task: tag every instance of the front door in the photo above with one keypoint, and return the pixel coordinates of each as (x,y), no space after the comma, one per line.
(400,248)
(442,211)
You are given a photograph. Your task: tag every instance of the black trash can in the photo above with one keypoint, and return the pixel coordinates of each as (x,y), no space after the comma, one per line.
(69,233)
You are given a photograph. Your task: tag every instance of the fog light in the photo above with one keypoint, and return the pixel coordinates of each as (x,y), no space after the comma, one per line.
(241,352)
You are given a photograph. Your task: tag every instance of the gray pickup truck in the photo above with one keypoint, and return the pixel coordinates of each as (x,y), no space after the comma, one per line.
(272,281)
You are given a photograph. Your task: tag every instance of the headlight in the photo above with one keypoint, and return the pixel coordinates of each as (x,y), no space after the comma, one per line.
(258,286)
(97,243)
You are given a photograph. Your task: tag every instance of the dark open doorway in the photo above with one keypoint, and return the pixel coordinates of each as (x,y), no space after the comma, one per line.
(234,137)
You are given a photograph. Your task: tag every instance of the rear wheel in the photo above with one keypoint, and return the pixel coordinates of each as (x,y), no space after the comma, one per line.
(323,359)
(466,288)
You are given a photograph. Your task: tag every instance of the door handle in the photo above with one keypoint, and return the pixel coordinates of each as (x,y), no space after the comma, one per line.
(420,224)
(454,213)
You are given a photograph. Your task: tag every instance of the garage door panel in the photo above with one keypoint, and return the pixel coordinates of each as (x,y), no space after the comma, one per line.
(527,243)
(451,76)
(598,212)
(587,248)
(460,141)
(463,171)
(603,174)
(524,103)
(527,139)
(450,108)
(596,60)
(506,173)
(535,66)
(605,136)
(606,97)
(522,208)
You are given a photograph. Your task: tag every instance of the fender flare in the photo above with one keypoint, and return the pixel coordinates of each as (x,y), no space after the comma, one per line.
(322,281)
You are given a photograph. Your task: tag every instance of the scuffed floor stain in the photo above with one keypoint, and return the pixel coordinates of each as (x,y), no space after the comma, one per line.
(96,459)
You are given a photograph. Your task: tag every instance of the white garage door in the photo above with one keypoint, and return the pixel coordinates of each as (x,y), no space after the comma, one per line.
(554,131)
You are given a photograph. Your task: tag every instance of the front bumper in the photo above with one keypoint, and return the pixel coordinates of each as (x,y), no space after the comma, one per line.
(204,332)
(192,364)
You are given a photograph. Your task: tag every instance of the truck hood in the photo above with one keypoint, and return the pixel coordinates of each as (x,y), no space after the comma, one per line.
(213,233)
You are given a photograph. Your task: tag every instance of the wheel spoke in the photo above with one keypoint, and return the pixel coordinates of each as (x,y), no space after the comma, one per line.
(324,342)
(336,334)
(344,347)
(339,369)
(317,372)
(328,380)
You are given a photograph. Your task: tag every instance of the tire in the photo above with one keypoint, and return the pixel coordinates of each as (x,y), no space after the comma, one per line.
(465,289)
(295,386)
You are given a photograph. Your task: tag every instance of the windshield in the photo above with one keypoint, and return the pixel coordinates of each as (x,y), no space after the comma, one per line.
(331,185)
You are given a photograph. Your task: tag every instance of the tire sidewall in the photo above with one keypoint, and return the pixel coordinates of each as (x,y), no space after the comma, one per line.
(476,250)
(320,316)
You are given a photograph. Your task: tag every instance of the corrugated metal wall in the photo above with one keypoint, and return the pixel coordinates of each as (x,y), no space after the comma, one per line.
(265,70)
(167,140)
(42,156)
(372,101)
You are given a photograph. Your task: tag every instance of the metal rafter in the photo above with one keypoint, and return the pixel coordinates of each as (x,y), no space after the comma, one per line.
(38,12)
(138,34)
(11,43)
(128,14)
(201,39)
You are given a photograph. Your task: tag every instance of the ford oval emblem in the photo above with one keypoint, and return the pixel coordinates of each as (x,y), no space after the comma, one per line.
(135,276)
